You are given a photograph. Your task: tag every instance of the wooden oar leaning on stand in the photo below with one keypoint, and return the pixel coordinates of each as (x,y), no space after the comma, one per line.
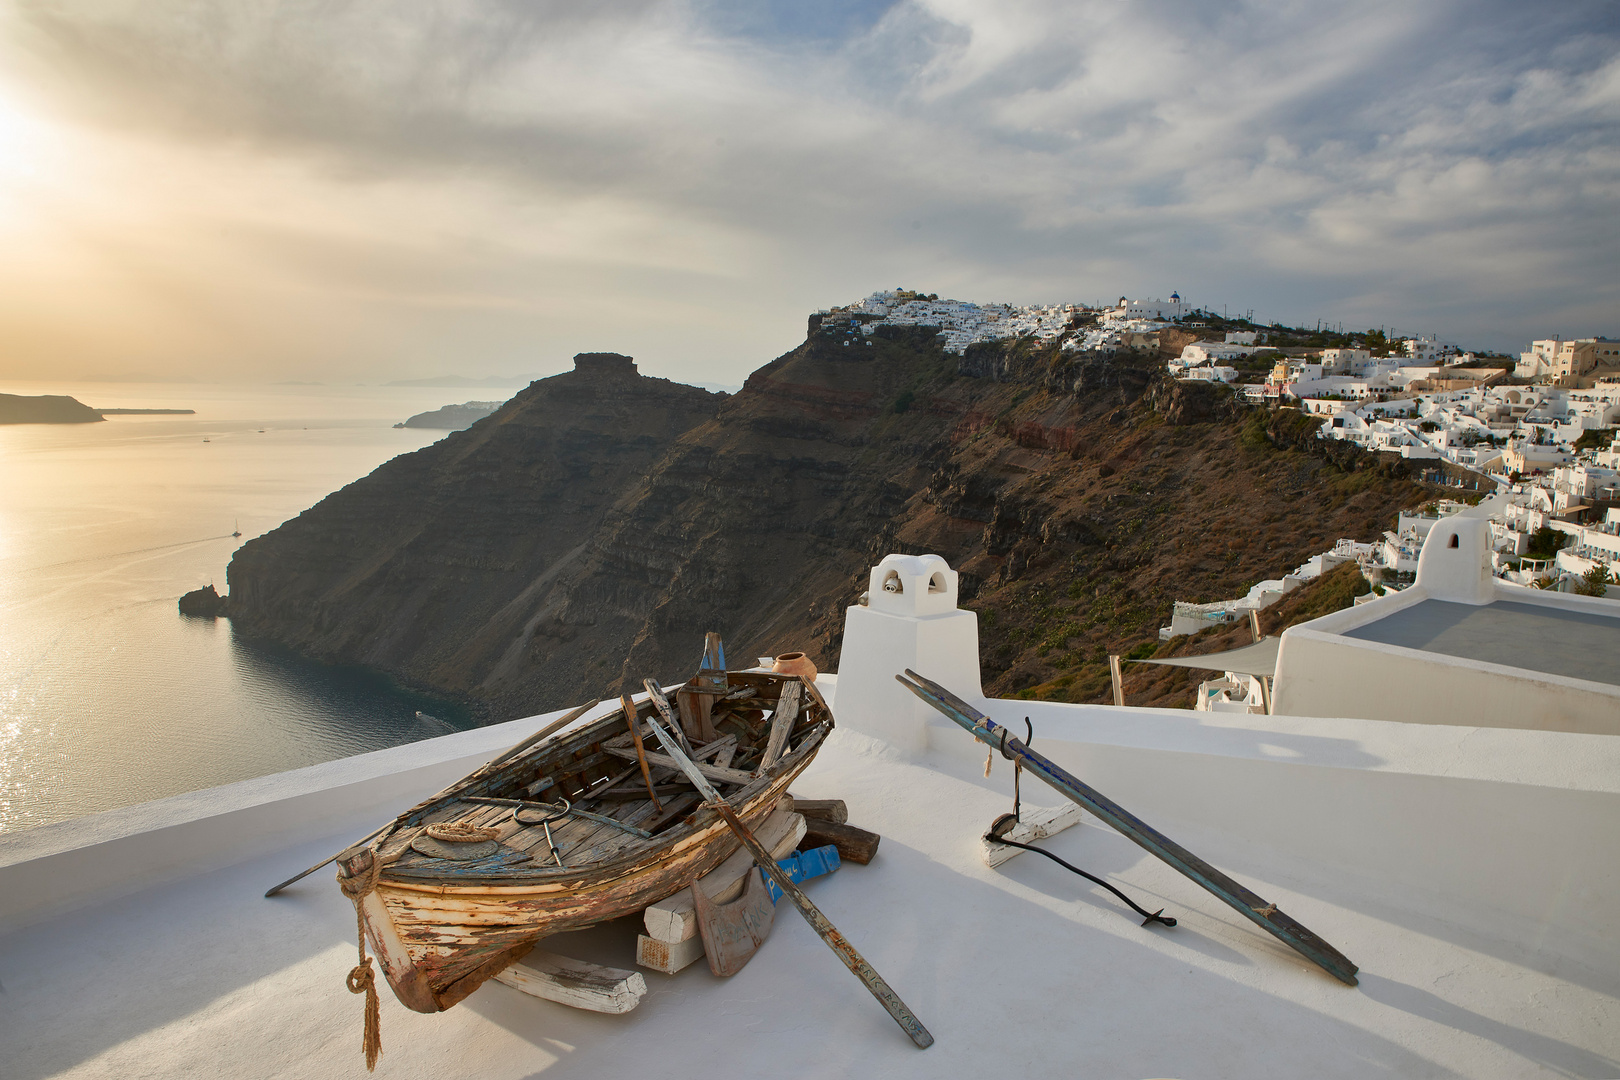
(1251,906)
(829,933)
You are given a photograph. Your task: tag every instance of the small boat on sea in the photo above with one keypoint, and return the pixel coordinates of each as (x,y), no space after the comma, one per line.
(577,828)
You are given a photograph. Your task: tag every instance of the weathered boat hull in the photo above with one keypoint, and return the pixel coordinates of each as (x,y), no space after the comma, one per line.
(438,940)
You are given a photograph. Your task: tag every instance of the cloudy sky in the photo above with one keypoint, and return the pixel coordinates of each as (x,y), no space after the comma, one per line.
(378,189)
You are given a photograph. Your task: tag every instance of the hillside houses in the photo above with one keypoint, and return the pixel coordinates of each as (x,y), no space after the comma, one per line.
(1542,490)
(1426,350)
(1576,363)
(960,323)
(1535,427)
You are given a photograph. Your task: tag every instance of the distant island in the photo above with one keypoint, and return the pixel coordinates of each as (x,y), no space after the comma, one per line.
(45,409)
(453,417)
(61,409)
(457,381)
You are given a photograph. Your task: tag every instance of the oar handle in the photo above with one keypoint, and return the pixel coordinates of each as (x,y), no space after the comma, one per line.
(829,933)
(852,959)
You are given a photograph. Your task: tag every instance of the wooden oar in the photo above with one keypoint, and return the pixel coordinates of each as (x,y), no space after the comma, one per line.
(1247,903)
(818,922)
(550,729)
(641,751)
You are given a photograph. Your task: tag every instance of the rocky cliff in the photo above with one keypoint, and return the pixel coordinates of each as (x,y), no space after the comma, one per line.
(590,531)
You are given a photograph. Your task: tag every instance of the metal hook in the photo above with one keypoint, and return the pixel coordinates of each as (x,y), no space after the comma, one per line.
(1018,769)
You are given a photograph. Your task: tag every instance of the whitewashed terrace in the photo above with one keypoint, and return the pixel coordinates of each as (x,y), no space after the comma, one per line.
(1470,872)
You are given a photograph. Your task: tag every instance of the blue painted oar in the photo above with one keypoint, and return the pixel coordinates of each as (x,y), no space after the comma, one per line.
(1251,906)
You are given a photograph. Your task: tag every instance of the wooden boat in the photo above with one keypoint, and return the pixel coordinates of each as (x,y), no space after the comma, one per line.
(445,914)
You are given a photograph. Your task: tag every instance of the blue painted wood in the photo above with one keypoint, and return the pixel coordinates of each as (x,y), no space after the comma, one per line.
(1247,903)
(803,866)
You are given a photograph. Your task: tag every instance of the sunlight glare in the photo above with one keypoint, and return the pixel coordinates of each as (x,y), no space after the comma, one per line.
(32,158)
(23,140)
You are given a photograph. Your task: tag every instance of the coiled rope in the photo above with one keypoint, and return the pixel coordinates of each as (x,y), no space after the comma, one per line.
(362,979)
(459,832)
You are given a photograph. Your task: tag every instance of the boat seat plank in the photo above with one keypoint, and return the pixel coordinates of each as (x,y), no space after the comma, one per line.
(582,838)
(533,838)
(416,865)
(606,839)
(566,834)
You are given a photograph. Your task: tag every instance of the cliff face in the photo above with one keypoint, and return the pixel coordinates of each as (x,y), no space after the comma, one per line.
(590,532)
(433,566)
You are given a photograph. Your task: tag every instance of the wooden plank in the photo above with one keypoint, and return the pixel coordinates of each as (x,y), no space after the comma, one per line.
(572,811)
(833,810)
(713,772)
(787,711)
(606,844)
(674,809)
(564,772)
(660,704)
(695,709)
(1036,823)
(613,780)
(715,747)
(854,845)
(1247,903)
(629,794)
(575,982)
(674,919)
(582,848)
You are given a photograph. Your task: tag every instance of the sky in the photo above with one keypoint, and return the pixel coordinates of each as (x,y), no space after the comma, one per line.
(386,189)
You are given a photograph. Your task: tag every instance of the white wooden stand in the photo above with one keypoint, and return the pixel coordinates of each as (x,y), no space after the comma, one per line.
(575,982)
(1036,824)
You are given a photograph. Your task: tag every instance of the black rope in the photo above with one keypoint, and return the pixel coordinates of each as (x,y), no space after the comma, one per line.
(1029,731)
(1147,916)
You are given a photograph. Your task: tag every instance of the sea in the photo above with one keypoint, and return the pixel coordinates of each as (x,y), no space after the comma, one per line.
(108,696)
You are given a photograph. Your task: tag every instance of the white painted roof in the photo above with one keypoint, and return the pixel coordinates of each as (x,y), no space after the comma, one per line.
(1414,850)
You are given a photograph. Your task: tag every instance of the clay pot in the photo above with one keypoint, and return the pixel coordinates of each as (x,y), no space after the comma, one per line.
(795,663)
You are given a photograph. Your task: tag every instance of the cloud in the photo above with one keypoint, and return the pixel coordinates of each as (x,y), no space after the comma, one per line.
(688,179)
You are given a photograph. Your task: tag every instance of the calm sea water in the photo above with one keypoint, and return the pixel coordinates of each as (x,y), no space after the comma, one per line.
(108,696)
